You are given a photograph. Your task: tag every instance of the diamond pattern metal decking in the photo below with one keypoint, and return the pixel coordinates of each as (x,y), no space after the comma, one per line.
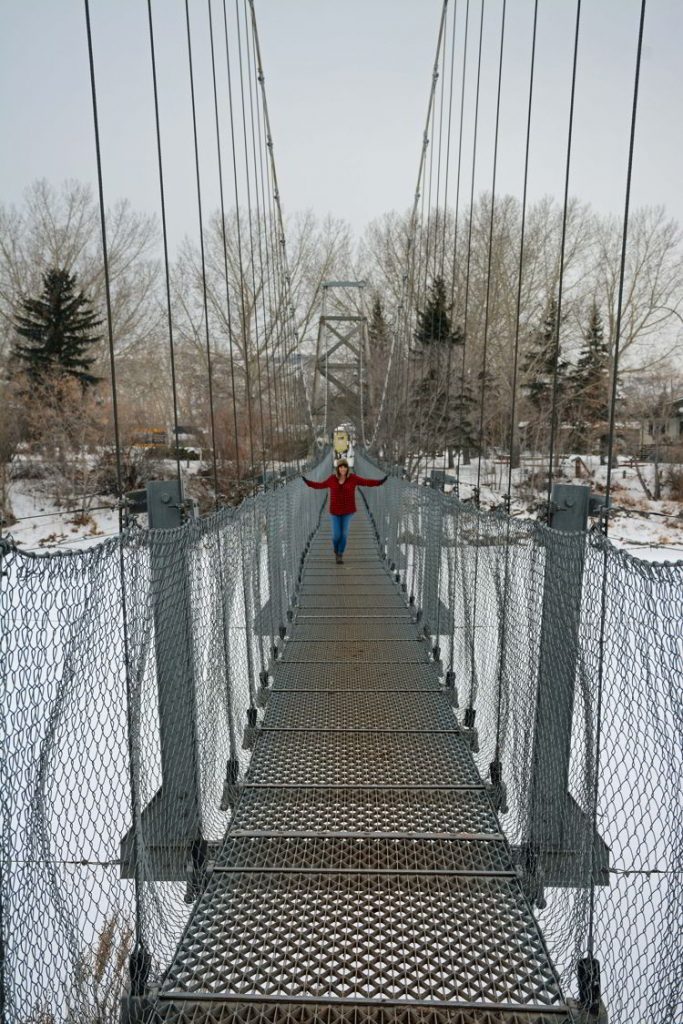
(364,878)
(347,587)
(335,677)
(375,855)
(362,759)
(334,603)
(454,813)
(374,937)
(427,712)
(348,650)
(363,629)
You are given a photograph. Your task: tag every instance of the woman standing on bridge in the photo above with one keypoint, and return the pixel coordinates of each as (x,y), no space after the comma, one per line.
(342,487)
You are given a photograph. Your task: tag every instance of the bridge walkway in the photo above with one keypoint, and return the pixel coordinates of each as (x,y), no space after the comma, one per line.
(364,876)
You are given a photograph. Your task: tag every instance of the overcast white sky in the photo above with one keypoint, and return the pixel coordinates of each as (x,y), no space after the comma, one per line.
(347,82)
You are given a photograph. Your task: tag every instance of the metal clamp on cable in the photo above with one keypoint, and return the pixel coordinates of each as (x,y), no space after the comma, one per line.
(231,788)
(450,689)
(250,730)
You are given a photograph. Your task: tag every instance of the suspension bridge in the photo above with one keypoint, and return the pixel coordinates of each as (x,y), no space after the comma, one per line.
(437,782)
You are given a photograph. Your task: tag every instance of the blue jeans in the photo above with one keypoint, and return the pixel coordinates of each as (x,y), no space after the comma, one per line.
(340,532)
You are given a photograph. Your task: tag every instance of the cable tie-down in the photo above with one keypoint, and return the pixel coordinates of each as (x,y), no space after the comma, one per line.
(531,877)
(250,730)
(450,689)
(231,787)
(589,1007)
(472,734)
(497,788)
(264,688)
(196,869)
(139,966)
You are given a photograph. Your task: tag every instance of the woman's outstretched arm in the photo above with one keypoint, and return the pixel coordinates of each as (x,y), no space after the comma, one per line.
(318,485)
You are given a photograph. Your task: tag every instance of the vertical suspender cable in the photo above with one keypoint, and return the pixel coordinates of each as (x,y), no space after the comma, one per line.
(613,398)
(412,249)
(622,267)
(278,205)
(252,262)
(203,257)
(520,265)
(225,629)
(264,263)
(460,131)
(513,408)
(242,285)
(256,569)
(480,440)
(448,142)
(490,253)
(469,238)
(556,355)
(451,644)
(139,956)
(225,246)
(449,355)
(165,238)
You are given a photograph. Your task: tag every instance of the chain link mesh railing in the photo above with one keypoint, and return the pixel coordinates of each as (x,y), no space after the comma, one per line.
(131,675)
(564,656)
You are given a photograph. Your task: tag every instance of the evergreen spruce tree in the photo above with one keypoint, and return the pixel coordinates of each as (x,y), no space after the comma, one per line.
(442,401)
(538,365)
(59,330)
(378,329)
(589,382)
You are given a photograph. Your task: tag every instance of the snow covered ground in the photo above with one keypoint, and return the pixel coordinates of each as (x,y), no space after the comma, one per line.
(650,530)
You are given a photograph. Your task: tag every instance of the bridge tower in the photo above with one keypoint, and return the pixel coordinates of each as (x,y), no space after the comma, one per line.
(340,379)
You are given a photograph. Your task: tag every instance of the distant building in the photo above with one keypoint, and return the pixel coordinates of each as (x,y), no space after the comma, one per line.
(664,428)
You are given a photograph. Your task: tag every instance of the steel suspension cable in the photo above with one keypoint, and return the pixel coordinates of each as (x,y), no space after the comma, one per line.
(460,133)
(203,257)
(245,589)
(411,247)
(139,958)
(556,353)
(421,291)
(265,265)
(469,239)
(513,408)
(225,245)
(252,263)
(240,258)
(480,439)
(255,524)
(448,141)
(277,201)
(520,265)
(487,303)
(446,409)
(164,231)
(613,398)
(441,398)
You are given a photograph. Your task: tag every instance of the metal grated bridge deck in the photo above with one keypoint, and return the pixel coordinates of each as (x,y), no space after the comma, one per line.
(364,877)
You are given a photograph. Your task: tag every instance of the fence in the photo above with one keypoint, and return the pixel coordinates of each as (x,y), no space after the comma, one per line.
(564,657)
(132,674)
